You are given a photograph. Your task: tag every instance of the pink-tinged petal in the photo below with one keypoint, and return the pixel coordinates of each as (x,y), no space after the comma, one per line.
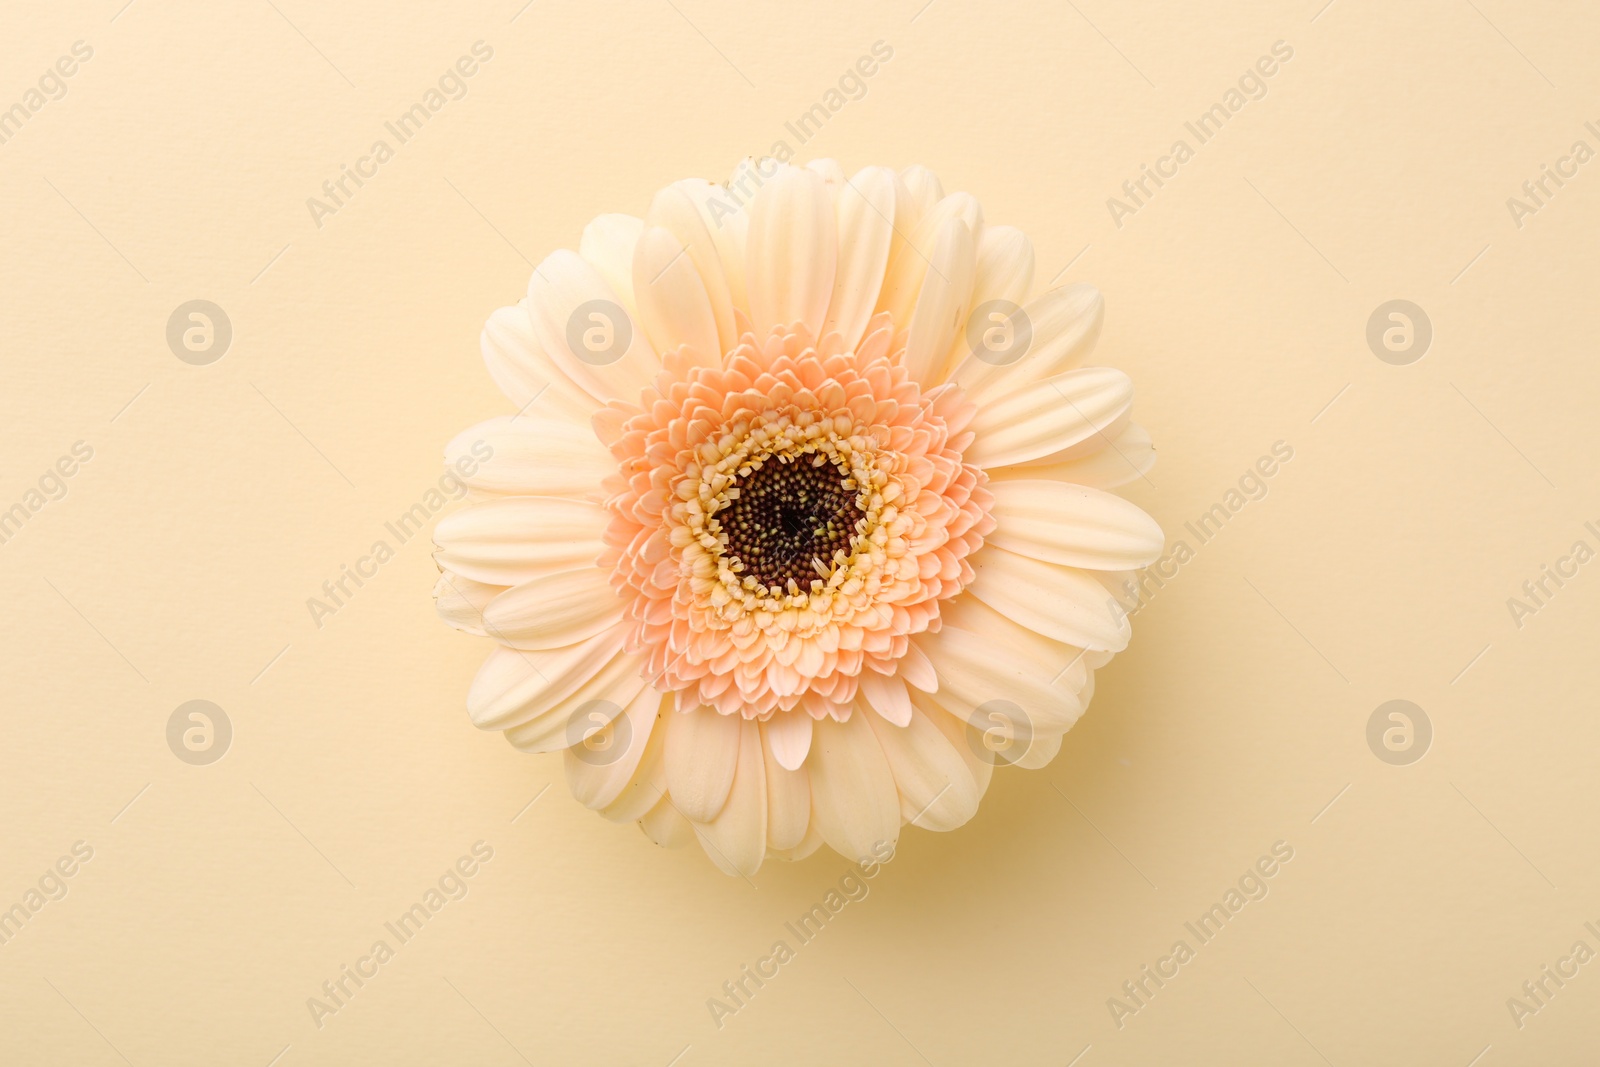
(1050,416)
(681,209)
(1122,458)
(702,752)
(514,686)
(666,826)
(789,736)
(673,305)
(788,797)
(607,244)
(888,697)
(600,767)
(587,332)
(791,252)
(515,539)
(554,610)
(937,790)
(525,455)
(943,303)
(1062,603)
(460,601)
(736,840)
(525,373)
(1072,525)
(1064,325)
(854,802)
(865,208)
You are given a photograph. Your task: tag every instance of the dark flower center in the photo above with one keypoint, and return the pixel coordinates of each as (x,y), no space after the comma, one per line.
(791,516)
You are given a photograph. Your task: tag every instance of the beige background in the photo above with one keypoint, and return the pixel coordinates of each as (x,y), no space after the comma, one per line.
(219,898)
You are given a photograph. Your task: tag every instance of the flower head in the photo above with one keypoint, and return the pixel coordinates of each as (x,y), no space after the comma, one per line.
(802,523)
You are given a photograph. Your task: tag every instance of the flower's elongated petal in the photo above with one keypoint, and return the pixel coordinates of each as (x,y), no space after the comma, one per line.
(598,770)
(1063,326)
(702,753)
(854,802)
(888,697)
(1062,603)
(1048,417)
(788,797)
(1126,456)
(525,373)
(513,686)
(937,790)
(736,840)
(608,245)
(791,252)
(522,455)
(588,334)
(865,208)
(666,825)
(789,735)
(1072,525)
(681,209)
(511,540)
(554,610)
(912,256)
(943,302)
(460,601)
(673,304)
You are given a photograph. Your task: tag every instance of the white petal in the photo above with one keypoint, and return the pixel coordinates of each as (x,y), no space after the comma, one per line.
(788,797)
(997,670)
(607,243)
(789,734)
(515,539)
(937,791)
(1062,603)
(943,302)
(1042,748)
(727,218)
(866,231)
(924,188)
(1127,456)
(887,696)
(1005,266)
(554,609)
(600,768)
(666,825)
(809,844)
(524,373)
(914,249)
(791,252)
(672,299)
(917,671)
(1063,325)
(682,208)
(854,803)
(515,687)
(1073,525)
(702,752)
(736,840)
(963,738)
(530,456)
(649,783)
(460,601)
(588,334)
(1046,417)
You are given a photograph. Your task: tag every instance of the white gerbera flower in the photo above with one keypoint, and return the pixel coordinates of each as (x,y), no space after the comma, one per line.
(803,522)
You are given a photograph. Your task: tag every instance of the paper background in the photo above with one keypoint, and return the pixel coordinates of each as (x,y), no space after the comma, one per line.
(220,497)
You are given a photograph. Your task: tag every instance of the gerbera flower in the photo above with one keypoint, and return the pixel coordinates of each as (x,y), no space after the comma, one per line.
(803,520)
